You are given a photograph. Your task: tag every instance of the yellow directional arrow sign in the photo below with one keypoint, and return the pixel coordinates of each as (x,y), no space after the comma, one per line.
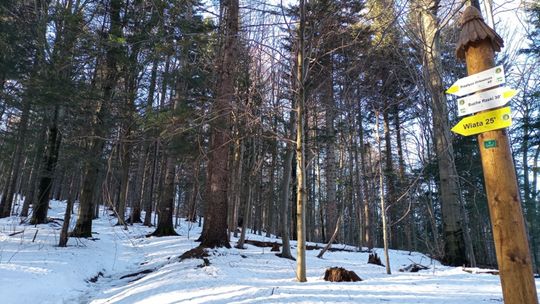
(483,122)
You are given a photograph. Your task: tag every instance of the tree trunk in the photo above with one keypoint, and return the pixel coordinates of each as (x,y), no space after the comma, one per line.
(367,236)
(237,185)
(40,14)
(535,197)
(269,219)
(83,227)
(30,196)
(58,182)
(381,197)
(135,215)
(165,206)
(284,199)
(7,198)
(125,161)
(214,232)
(529,203)
(39,215)
(143,174)
(390,180)
(149,198)
(69,209)
(301,199)
(333,238)
(407,227)
(330,161)
(454,243)
(247,204)
(192,201)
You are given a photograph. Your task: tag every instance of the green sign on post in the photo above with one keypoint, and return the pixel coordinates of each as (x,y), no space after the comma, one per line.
(490,143)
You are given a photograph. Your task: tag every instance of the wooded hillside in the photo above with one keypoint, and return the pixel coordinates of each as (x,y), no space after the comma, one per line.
(322,120)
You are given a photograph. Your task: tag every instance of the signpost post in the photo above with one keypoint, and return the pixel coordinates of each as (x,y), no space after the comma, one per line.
(477,44)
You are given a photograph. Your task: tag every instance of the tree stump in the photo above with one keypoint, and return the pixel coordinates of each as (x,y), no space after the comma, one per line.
(374,259)
(195,253)
(338,274)
(275,247)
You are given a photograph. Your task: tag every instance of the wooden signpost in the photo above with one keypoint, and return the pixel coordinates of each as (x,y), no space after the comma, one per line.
(477,45)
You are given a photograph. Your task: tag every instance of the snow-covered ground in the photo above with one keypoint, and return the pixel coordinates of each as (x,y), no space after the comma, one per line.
(34,270)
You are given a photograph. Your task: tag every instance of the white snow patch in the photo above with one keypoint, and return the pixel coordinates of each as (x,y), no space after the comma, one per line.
(41,271)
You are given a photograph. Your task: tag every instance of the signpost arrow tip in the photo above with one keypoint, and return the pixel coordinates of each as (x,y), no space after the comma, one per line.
(453,89)
(456,130)
(509,93)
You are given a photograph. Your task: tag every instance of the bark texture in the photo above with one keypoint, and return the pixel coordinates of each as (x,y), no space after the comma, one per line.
(301,196)
(214,232)
(454,242)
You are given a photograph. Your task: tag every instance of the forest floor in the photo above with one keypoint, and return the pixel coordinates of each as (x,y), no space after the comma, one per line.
(124,266)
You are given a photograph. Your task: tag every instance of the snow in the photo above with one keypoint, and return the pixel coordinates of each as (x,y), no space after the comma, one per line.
(39,270)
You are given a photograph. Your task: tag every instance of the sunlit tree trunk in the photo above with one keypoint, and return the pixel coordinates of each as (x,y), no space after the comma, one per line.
(301,198)
(454,242)
(382,197)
